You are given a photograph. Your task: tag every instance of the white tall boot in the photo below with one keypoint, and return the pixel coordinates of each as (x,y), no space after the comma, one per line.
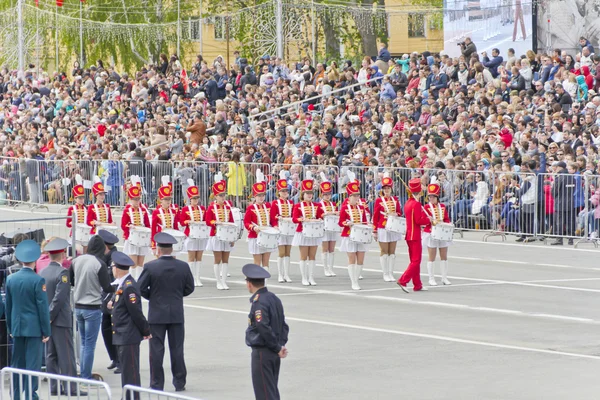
(197,281)
(391,263)
(224,269)
(138,272)
(430,271)
(311,271)
(280,270)
(356,272)
(325,259)
(383,260)
(286,269)
(266,279)
(132,271)
(444,268)
(331,256)
(351,275)
(217,269)
(303,269)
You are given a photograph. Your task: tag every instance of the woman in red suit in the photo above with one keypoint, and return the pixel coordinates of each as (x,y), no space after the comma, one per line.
(385,206)
(79,211)
(99,212)
(191,214)
(330,237)
(219,212)
(282,208)
(438,213)
(305,211)
(164,216)
(135,214)
(353,213)
(258,217)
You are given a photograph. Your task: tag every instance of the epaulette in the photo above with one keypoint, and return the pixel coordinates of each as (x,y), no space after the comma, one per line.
(256,297)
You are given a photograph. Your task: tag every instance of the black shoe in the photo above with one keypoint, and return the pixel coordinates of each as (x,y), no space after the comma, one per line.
(529,239)
(558,242)
(180,389)
(112,365)
(118,369)
(522,238)
(570,242)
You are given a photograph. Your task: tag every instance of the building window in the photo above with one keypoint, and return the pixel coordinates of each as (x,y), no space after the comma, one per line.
(219,27)
(416,25)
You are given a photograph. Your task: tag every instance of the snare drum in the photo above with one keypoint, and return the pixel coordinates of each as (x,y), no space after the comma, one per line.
(396,224)
(139,236)
(110,228)
(199,230)
(83,234)
(313,229)
(361,233)
(227,232)
(268,238)
(442,231)
(179,236)
(238,220)
(287,227)
(331,223)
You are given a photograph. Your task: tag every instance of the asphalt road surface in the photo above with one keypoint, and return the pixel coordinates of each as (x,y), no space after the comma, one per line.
(520,321)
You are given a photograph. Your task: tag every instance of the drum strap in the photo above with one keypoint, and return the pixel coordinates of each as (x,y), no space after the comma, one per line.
(101,213)
(313,211)
(80,212)
(327,207)
(284,208)
(224,211)
(387,204)
(135,216)
(352,212)
(437,212)
(195,212)
(262,216)
(167,219)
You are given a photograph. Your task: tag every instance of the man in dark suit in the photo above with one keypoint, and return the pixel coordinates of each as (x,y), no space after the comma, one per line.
(130,326)
(60,352)
(164,283)
(27,317)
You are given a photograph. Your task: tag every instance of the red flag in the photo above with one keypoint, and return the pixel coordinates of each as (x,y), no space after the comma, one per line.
(184,80)
(37,3)
(59,3)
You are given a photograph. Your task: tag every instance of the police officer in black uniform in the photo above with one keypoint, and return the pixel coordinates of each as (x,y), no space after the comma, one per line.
(60,349)
(110,241)
(130,326)
(267,333)
(165,282)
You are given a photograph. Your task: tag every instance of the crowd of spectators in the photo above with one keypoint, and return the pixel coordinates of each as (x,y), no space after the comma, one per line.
(509,136)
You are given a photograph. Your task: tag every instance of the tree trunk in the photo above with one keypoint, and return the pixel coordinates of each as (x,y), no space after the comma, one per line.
(332,42)
(364,23)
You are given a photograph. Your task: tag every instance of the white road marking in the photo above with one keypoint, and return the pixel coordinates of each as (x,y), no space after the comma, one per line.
(356,294)
(414,334)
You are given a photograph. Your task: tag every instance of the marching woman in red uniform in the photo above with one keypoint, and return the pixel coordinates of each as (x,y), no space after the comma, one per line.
(135,214)
(190,214)
(282,208)
(305,211)
(219,212)
(385,206)
(416,217)
(164,216)
(258,217)
(353,213)
(99,212)
(330,237)
(438,213)
(78,210)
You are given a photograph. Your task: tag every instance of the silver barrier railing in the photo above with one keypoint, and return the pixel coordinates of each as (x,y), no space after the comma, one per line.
(136,392)
(24,385)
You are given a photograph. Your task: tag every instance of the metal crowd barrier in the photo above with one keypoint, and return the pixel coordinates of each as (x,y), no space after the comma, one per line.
(23,382)
(137,393)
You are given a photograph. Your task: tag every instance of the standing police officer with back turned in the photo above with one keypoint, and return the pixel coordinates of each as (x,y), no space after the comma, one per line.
(110,241)
(165,282)
(27,318)
(267,333)
(60,350)
(130,326)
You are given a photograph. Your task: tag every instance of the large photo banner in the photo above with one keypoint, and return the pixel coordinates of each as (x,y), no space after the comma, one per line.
(561,24)
(501,24)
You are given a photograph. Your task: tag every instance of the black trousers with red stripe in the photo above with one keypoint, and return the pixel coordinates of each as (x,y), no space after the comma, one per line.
(129,359)
(265,373)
